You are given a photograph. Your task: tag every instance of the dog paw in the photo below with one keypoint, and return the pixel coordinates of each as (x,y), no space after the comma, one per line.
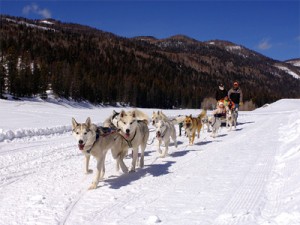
(89,171)
(132,170)
(125,170)
(93,186)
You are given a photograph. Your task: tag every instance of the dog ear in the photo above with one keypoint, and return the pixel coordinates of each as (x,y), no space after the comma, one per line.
(122,113)
(134,114)
(74,123)
(88,122)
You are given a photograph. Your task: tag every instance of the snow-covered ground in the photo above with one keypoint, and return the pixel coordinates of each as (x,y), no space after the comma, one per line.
(246,176)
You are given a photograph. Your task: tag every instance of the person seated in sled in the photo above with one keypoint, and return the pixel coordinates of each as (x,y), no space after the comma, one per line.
(228,103)
(220,111)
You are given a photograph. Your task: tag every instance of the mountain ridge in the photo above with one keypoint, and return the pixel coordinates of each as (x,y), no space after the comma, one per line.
(181,68)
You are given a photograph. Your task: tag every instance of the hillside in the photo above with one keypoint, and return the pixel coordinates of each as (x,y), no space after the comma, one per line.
(82,63)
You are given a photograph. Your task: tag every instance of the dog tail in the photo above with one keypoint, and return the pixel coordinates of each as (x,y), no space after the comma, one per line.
(178,119)
(141,116)
(202,114)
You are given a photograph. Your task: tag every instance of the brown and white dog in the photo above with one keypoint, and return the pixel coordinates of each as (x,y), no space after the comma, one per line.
(193,125)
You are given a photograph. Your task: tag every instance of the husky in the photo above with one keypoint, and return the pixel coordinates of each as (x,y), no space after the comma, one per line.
(193,125)
(112,121)
(215,123)
(93,141)
(165,130)
(133,126)
(205,122)
(159,115)
(231,117)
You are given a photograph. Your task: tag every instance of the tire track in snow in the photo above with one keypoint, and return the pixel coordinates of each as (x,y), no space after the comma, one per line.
(246,203)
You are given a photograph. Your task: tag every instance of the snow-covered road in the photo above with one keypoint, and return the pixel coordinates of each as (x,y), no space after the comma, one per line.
(246,176)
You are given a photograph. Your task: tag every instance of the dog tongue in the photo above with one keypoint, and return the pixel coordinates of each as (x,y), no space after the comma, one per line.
(80,146)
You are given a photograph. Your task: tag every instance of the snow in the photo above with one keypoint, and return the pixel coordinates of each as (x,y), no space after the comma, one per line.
(31,25)
(294,62)
(46,22)
(234,48)
(246,176)
(295,75)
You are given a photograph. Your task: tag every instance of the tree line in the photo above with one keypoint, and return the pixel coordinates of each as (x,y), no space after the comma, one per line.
(106,69)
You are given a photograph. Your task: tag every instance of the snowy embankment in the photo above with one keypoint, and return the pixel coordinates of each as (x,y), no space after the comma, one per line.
(22,133)
(249,176)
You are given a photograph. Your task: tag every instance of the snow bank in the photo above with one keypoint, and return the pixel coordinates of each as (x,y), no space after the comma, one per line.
(22,133)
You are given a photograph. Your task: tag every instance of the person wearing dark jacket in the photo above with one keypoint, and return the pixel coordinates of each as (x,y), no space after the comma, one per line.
(221,93)
(235,94)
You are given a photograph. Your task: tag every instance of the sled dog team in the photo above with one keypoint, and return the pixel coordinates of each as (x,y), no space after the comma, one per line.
(129,129)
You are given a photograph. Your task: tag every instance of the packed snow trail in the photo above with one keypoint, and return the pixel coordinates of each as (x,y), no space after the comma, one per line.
(246,176)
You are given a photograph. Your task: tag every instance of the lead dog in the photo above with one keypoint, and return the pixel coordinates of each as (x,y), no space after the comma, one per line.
(164,131)
(91,141)
(133,127)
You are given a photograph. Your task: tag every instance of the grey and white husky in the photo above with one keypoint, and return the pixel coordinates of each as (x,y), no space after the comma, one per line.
(91,141)
(231,118)
(133,126)
(164,131)
(112,121)
(215,123)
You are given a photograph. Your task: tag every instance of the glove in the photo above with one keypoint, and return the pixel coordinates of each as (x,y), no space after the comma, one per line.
(241,103)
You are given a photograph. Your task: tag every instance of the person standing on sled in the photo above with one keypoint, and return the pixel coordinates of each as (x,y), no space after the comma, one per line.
(221,93)
(235,94)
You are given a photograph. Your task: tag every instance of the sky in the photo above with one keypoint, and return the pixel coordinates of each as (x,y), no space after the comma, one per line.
(249,175)
(270,27)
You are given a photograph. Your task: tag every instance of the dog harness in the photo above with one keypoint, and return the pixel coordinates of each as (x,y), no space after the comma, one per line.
(97,137)
(129,142)
(105,132)
(216,118)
